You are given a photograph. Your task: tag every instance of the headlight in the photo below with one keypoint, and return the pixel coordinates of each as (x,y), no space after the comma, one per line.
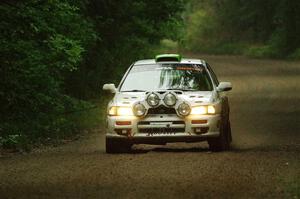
(153,99)
(211,110)
(184,109)
(120,111)
(170,99)
(202,110)
(139,110)
(199,110)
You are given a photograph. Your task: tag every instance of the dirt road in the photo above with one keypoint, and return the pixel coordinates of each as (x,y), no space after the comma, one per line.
(264,161)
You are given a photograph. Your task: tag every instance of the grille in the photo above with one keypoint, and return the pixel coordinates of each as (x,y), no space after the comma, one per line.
(161,110)
(162,130)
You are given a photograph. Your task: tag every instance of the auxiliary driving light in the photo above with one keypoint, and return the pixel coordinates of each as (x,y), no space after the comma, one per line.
(184,109)
(153,99)
(139,110)
(170,99)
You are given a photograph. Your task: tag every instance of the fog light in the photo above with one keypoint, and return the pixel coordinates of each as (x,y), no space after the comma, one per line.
(125,132)
(201,130)
(197,130)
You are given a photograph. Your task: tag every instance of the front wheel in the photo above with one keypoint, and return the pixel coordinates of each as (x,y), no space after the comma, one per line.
(221,143)
(117,146)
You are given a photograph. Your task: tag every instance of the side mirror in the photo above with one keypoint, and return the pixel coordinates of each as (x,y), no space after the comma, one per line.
(110,87)
(224,86)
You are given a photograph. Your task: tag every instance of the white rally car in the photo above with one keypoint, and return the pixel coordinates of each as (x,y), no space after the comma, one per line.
(168,99)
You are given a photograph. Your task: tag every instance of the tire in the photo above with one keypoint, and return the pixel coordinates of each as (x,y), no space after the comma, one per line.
(117,146)
(221,143)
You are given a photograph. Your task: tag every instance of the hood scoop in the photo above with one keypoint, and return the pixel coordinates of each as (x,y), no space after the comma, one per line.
(127,98)
(194,96)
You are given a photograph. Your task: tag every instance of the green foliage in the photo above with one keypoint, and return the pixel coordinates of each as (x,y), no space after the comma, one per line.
(128,30)
(41,42)
(261,51)
(256,28)
(67,51)
(92,116)
(56,53)
(201,34)
(167,46)
(15,142)
(295,55)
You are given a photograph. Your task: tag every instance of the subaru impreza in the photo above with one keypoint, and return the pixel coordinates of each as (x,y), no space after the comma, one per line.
(168,99)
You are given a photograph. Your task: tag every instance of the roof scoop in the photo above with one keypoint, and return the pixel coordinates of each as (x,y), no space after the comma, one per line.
(168,58)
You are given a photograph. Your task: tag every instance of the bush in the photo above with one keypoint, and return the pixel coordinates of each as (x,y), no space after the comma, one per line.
(227,48)
(295,55)
(219,27)
(15,142)
(262,52)
(201,32)
(168,45)
(41,42)
(55,52)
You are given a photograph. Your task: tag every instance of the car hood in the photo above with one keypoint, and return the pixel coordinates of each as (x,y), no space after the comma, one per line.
(129,98)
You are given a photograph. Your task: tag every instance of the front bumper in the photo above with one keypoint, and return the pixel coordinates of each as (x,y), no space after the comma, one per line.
(164,128)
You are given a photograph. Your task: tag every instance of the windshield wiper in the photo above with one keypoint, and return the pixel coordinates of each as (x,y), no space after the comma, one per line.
(173,89)
(134,91)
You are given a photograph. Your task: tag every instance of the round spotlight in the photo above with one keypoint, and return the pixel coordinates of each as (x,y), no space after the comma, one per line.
(139,110)
(184,109)
(170,99)
(153,99)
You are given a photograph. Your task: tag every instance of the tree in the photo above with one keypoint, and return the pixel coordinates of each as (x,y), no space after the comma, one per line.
(261,28)
(40,41)
(54,53)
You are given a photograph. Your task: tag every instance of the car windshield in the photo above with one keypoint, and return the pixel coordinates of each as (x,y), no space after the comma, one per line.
(187,77)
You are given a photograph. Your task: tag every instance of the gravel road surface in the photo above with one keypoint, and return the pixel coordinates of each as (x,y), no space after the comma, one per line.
(264,161)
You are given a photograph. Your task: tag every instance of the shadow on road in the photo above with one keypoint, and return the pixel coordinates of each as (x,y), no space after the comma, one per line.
(163,149)
(257,148)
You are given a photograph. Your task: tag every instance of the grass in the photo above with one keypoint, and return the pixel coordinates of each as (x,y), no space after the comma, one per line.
(235,48)
(291,180)
(93,117)
(295,55)
(293,189)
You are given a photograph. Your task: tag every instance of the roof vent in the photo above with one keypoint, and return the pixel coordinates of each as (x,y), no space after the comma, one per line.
(168,58)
